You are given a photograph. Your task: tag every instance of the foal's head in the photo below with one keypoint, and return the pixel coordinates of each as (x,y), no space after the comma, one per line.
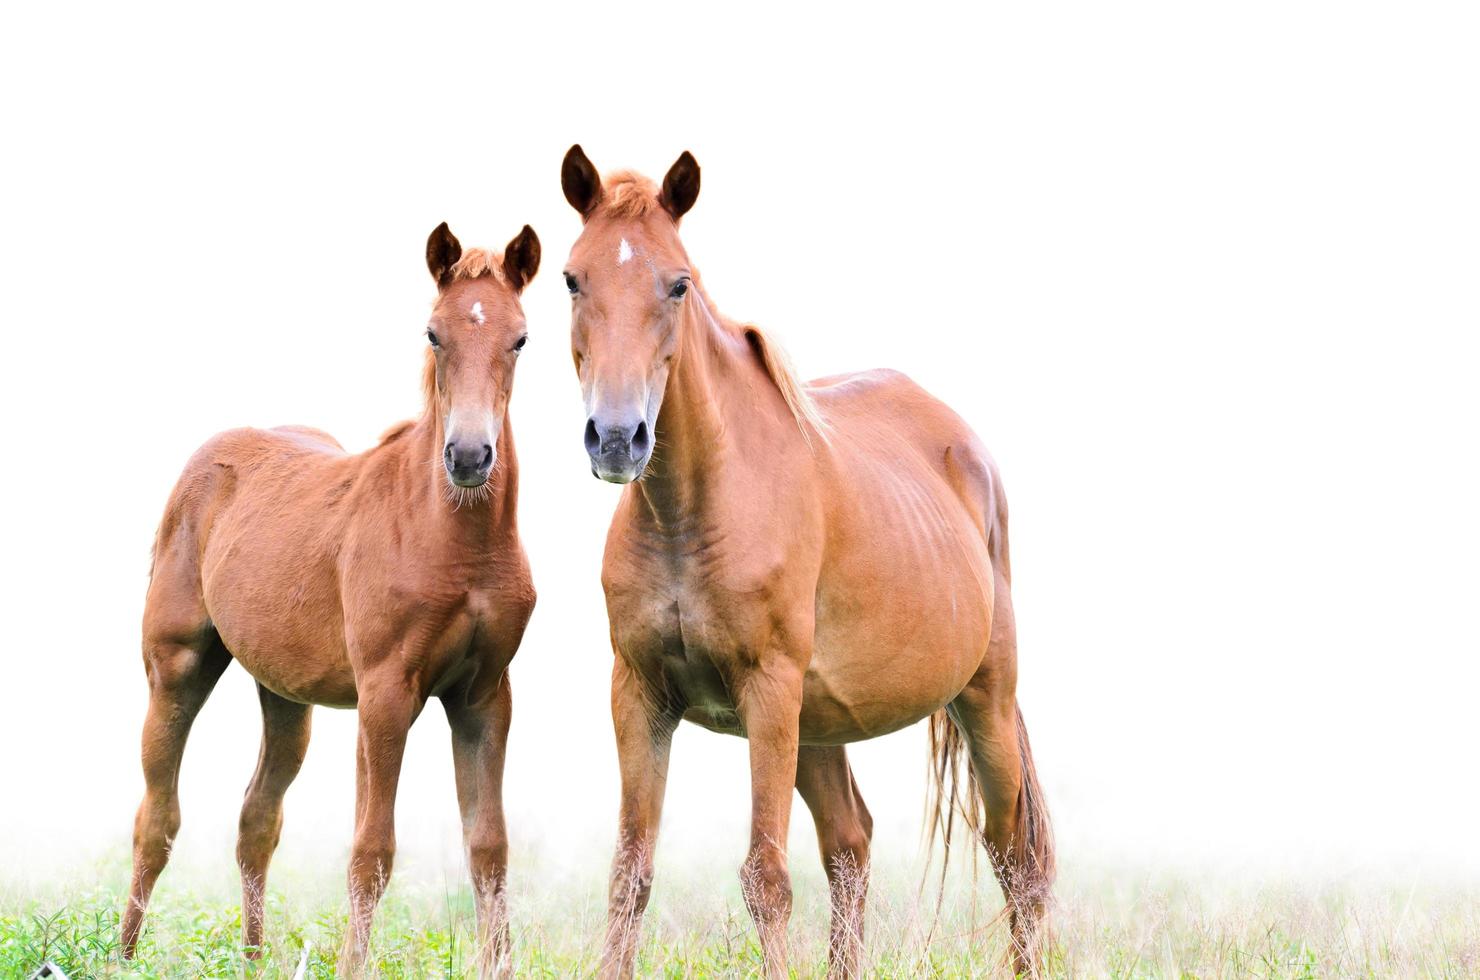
(629,279)
(476,333)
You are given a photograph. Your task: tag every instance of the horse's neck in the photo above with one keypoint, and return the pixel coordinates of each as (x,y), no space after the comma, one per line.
(480,518)
(706,431)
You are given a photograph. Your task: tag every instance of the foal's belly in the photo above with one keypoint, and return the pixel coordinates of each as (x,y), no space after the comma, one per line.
(299,657)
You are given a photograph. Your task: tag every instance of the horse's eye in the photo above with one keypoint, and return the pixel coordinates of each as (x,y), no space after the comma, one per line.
(519,344)
(679,288)
(432,339)
(571,284)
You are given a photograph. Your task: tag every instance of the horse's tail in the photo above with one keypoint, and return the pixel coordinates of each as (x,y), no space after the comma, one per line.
(950,770)
(1031,864)
(1034,854)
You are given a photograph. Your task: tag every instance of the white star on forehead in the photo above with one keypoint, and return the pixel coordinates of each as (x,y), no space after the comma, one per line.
(624,252)
(477,312)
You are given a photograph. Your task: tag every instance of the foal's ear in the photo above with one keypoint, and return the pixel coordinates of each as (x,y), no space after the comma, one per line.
(681,186)
(443,251)
(522,259)
(580,181)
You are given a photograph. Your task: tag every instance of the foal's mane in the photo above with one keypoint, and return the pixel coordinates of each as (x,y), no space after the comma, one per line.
(627,194)
(479,262)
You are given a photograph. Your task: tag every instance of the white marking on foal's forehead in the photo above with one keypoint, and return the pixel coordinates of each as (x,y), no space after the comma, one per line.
(624,252)
(477,312)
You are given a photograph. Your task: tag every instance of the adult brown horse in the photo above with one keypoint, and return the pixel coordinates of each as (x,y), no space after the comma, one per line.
(801,565)
(374,581)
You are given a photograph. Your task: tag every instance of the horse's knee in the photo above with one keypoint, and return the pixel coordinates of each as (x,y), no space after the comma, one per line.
(846,841)
(156,825)
(256,840)
(370,864)
(766,884)
(488,857)
(631,884)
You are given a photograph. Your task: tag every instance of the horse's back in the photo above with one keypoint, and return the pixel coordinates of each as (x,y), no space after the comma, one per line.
(889,422)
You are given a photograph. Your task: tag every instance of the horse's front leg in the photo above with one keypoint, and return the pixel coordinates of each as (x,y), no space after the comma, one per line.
(769,705)
(479,717)
(644,728)
(387,708)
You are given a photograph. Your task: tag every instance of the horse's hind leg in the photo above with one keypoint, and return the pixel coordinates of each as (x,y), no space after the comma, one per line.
(181,677)
(844,829)
(1015,828)
(285,731)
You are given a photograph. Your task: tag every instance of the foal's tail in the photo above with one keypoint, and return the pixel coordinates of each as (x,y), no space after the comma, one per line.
(1030,865)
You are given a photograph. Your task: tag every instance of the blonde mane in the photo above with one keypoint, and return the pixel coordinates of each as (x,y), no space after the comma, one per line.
(478,262)
(783,375)
(778,367)
(628,194)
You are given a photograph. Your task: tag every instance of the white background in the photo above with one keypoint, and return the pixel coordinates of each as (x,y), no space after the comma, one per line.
(1202,276)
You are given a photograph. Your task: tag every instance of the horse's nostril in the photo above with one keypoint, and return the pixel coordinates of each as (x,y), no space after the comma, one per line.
(593,441)
(640,439)
(447,453)
(487,456)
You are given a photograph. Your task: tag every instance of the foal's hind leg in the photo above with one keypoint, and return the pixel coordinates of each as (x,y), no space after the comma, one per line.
(1015,830)
(181,677)
(285,730)
(844,829)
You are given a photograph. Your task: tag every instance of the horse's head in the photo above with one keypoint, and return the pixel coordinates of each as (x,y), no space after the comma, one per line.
(476,333)
(628,277)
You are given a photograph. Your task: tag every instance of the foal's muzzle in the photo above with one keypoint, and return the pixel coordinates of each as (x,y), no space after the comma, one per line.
(619,449)
(468,463)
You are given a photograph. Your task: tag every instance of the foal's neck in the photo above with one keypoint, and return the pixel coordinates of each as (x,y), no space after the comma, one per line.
(717,423)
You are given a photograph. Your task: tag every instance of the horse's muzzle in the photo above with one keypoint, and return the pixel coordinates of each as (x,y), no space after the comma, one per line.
(619,450)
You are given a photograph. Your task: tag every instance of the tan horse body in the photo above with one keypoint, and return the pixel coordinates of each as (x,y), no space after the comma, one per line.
(375,581)
(803,566)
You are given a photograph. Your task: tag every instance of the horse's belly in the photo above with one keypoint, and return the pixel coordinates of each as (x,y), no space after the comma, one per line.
(885,664)
(869,675)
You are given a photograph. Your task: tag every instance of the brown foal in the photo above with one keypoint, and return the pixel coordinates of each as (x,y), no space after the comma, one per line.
(374,581)
(801,565)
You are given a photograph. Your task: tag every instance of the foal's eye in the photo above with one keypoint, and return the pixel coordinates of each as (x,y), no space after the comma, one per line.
(571,284)
(432,339)
(679,288)
(519,344)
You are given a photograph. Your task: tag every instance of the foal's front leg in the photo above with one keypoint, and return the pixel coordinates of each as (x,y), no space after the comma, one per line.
(479,717)
(387,709)
(770,705)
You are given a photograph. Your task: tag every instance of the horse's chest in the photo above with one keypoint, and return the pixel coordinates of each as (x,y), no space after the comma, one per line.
(673,620)
(689,632)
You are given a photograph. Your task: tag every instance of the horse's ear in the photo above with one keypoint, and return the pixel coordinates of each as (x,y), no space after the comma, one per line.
(580,181)
(522,259)
(443,251)
(681,186)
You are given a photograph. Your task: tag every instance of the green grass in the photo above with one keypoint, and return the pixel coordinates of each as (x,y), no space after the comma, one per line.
(1106,924)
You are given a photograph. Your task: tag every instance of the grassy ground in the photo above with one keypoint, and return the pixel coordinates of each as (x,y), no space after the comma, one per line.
(1106,924)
